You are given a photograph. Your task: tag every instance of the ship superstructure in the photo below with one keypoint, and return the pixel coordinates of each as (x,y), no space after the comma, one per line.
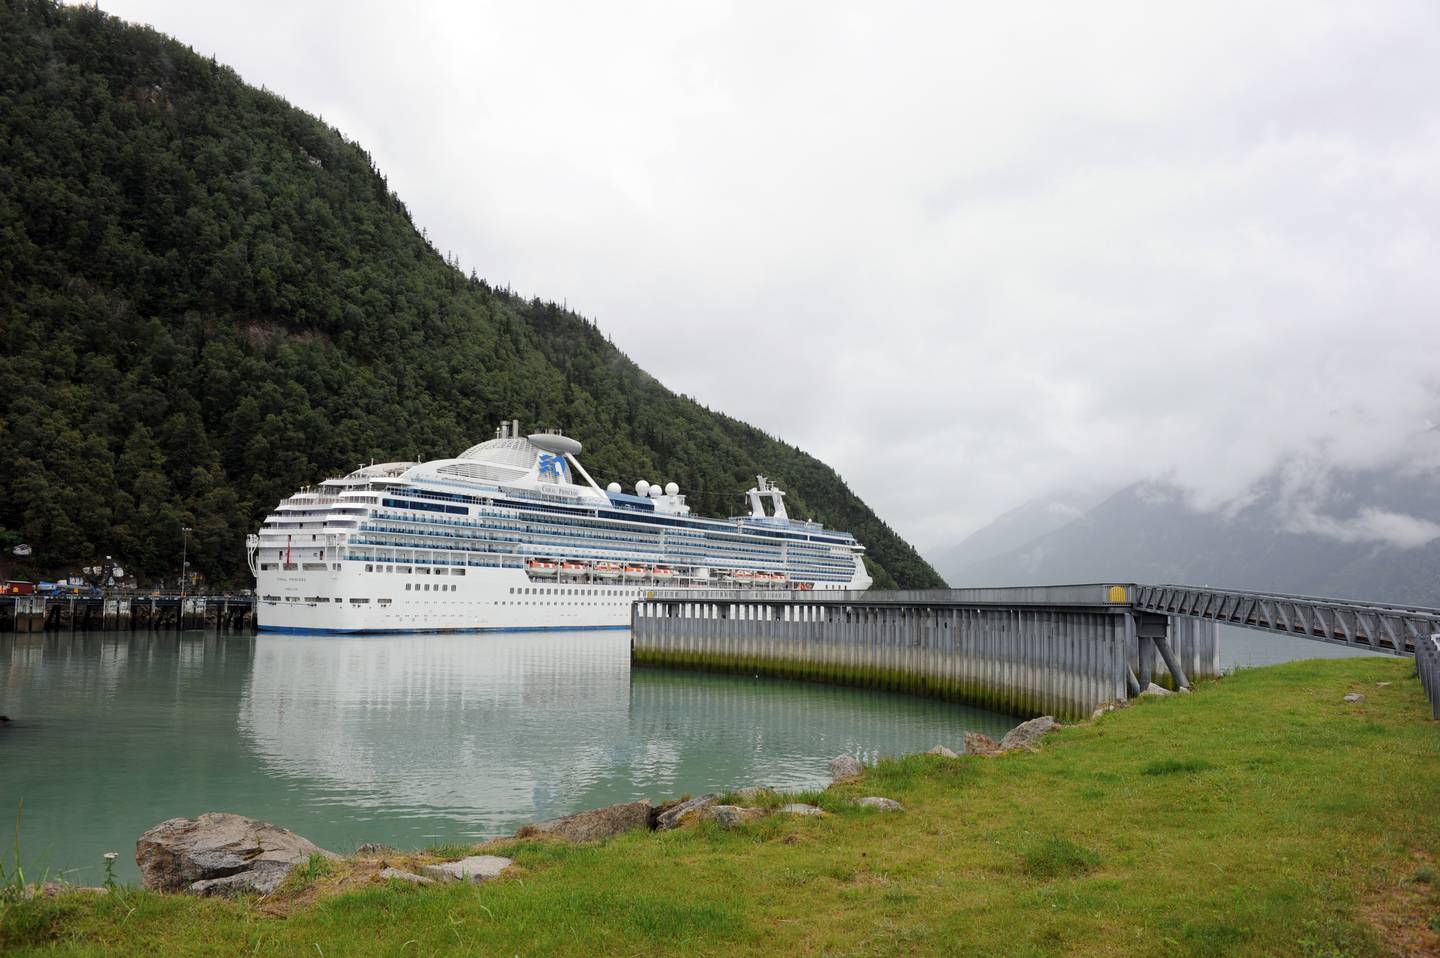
(514,534)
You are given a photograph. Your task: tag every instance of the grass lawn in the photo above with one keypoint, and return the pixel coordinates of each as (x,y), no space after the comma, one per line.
(1261,815)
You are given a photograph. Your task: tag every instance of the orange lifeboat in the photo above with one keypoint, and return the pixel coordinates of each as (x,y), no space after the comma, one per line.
(573,569)
(540,567)
(636,572)
(607,570)
(661,572)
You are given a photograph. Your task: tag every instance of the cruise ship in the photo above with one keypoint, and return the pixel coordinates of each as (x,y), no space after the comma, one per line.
(514,534)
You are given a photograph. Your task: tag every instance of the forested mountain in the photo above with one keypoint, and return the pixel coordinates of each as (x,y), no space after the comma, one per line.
(209,298)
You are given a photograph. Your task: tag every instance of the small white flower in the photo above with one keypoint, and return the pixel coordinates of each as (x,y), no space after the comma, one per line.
(111,856)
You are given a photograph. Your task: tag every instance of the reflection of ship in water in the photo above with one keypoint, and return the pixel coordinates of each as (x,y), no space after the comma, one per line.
(490,730)
(497,731)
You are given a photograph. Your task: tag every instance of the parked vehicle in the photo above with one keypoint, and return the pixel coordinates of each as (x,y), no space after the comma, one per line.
(17,587)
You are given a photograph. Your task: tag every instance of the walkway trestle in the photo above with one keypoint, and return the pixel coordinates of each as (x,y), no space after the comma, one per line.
(1061,650)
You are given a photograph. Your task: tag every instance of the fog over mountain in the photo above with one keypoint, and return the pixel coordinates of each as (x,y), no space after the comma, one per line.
(1371,534)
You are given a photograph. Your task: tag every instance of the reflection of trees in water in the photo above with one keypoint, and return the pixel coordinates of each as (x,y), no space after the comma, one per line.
(103,668)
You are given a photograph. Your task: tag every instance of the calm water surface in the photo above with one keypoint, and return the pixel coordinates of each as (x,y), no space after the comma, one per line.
(412,740)
(408,740)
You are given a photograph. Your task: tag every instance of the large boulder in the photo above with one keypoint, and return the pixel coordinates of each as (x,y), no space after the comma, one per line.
(220,853)
(942,751)
(673,816)
(979,744)
(845,767)
(1026,734)
(598,823)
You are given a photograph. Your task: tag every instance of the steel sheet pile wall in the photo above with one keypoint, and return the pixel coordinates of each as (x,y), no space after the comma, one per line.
(1020,660)
(1427,666)
(1196,642)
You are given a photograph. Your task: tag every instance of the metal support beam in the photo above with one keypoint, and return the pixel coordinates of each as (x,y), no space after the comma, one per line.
(1171,663)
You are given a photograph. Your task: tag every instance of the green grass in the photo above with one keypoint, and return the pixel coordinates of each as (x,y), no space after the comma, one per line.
(303,876)
(1259,816)
(1057,858)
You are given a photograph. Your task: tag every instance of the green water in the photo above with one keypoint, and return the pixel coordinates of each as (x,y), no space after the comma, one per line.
(407,740)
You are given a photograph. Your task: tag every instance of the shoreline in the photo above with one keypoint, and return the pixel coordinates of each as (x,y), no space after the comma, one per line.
(1238,820)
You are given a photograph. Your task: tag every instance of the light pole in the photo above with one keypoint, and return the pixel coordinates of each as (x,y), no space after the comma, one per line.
(184,563)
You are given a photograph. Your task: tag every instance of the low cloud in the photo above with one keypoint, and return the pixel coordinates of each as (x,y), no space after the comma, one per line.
(1371,525)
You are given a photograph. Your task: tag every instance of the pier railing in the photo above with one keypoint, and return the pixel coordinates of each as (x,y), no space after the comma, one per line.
(1379,627)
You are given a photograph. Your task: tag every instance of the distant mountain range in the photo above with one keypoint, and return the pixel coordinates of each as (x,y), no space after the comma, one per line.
(1359,534)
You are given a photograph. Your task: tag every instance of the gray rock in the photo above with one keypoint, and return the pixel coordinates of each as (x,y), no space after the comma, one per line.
(256,881)
(883,804)
(1153,689)
(399,874)
(374,850)
(1026,734)
(220,853)
(751,793)
(675,815)
(942,751)
(1356,698)
(731,816)
(796,808)
(978,744)
(598,823)
(476,868)
(845,767)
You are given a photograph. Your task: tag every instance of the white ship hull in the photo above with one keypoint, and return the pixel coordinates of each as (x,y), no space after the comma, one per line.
(481,600)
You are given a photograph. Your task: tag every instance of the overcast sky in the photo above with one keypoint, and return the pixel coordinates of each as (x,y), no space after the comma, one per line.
(966,253)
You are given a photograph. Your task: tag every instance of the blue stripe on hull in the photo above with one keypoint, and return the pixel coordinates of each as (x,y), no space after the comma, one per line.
(297,630)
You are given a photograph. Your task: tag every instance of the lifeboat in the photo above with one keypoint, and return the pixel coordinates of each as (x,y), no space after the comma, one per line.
(574,569)
(743,577)
(540,567)
(663,573)
(607,570)
(636,572)
(804,586)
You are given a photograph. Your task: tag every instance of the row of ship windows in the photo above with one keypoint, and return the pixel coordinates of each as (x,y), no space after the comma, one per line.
(536,534)
(571,543)
(588,528)
(406,570)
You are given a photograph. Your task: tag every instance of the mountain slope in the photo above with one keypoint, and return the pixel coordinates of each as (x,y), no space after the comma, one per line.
(1024,523)
(209,298)
(1367,535)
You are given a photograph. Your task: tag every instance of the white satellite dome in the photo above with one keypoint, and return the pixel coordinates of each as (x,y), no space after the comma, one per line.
(642,488)
(613,488)
(654,490)
(671,489)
